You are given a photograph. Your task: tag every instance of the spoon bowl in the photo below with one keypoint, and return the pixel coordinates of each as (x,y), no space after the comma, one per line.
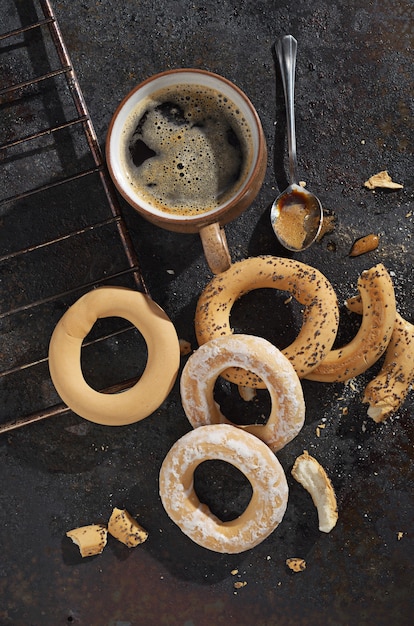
(296,215)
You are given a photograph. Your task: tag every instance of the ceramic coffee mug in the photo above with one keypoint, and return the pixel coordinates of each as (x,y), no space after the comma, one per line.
(186,149)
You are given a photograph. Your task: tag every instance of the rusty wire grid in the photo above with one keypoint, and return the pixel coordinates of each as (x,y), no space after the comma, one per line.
(62,232)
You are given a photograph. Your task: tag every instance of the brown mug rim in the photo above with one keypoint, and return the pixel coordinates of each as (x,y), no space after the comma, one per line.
(210,216)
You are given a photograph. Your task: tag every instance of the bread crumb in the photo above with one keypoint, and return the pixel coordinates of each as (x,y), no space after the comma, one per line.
(400,535)
(234,572)
(247,393)
(239,584)
(318,429)
(328,225)
(296,564)
(350,383)
(383,180)
(185,347)
(365,244)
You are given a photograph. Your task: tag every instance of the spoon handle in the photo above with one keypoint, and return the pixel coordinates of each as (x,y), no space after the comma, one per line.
(286,49)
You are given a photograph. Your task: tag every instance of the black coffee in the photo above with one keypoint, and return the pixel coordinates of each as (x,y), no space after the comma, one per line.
(187,149)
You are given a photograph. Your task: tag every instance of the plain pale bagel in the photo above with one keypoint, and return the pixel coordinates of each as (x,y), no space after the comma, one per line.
(262,359)
(160,372)
(248,454)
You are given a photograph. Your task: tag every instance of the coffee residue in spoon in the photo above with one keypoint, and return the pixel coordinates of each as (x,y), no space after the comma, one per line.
(297,219)
(291,224)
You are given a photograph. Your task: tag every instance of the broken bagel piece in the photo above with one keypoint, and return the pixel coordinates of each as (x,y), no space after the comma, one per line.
(312,476)
(382,180)
(90,539)
(126,529)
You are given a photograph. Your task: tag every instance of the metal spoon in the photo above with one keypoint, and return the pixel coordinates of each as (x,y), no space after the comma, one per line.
(296,215)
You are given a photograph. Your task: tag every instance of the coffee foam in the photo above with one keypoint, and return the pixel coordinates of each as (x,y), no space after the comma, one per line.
(198,149)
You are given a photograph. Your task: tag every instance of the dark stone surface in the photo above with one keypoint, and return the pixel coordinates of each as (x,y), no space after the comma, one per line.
(354,88)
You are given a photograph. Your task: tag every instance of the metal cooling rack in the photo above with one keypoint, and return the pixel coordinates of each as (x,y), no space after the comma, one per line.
(57,205)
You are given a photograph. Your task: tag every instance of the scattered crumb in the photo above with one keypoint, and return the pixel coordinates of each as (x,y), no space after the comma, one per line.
(352,384)
(234,572)
(172,272)
(185,347)
(296,564)
(400,535)
(382,179)
(318,429)
(365,244)
(328,225)
(247,393)
(239,584)
(302,183)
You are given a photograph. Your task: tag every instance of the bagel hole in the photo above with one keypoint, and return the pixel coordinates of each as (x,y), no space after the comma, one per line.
(349,325)
(239,411)
(270,313)
(113,352)
(223,488)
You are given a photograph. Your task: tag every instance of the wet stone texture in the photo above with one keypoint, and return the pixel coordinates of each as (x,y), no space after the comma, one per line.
(354,87)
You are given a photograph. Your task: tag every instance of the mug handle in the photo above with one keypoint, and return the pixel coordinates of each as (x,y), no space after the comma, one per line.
(215,247)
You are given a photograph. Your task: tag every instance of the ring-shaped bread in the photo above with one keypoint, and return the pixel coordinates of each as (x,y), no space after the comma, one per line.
(249,455)
(261,358)
(376,290)
(161,369)
(305,283)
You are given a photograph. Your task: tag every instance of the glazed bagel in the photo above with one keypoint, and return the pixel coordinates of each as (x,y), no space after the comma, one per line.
(306,284)
(160,372)
(261,358)
(248,454)
(378,301)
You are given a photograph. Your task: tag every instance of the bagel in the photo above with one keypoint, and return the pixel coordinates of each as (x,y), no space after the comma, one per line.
(379,310)
(261,358)
(160,372)
(306,284)
(249,455)
(386,392)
